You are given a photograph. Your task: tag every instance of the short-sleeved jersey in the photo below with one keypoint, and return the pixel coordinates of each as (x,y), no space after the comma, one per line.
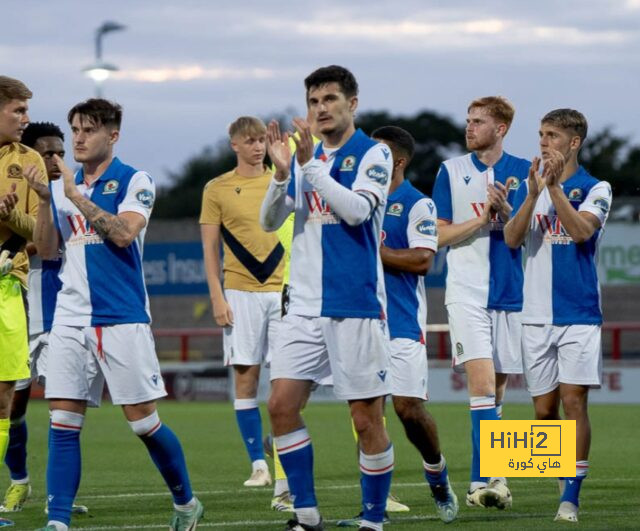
(253,258)
(14,158)
(410,222)
(560,278)
(102,284)
(44,284)
(482,270)
(336,269)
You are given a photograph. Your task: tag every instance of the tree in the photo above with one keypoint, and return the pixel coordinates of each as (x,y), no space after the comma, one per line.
(437,138)
(611,158)
(183,198)
(605,155)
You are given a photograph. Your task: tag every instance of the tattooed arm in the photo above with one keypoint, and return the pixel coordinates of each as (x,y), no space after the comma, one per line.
(121,229)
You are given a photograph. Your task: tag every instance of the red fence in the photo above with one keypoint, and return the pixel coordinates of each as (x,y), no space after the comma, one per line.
(441,330)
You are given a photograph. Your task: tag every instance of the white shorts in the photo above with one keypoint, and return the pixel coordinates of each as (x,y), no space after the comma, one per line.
(480,333)
(82,358)
(409,369)
(355,351)
(256,317)
(561,354)
(38,348)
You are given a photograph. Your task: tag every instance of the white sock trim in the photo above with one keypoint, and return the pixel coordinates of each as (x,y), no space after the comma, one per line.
(147,426)
(245,403)
(66,420)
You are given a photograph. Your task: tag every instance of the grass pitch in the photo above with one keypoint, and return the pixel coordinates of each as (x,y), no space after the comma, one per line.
(124,491)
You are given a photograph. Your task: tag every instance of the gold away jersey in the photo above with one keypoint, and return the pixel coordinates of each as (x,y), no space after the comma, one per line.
(253,258)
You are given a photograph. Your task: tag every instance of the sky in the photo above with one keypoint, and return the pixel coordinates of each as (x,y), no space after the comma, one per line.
(189,68)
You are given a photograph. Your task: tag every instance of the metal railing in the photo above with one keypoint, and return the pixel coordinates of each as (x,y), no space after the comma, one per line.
(441,330)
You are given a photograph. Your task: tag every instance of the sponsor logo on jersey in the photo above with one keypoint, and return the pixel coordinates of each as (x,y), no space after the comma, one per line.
(80,226)
(553,230)
(427,227)
(378,173)
(602,204)
(14,171)
(512,183)
(575,194)
(111,187)
(466,179)
(478,210)
(319,210)
(348,163)
(145,197)
(395,209)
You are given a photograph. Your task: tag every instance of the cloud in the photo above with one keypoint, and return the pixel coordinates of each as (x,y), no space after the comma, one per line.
(193,72)
(462,33)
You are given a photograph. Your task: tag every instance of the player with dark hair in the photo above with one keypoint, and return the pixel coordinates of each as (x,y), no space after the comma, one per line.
(101,329)
(336,322)
(559,216)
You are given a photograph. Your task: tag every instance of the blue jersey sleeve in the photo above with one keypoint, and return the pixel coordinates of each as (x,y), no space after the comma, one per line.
(291,189)
(521,195)
(442,194)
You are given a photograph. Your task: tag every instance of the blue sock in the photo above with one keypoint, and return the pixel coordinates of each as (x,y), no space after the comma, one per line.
(64,463)
(437,474)
(481,408)
(572,485)
(16,457)
(375,480)
(296,455)
(166,453)
(250,424)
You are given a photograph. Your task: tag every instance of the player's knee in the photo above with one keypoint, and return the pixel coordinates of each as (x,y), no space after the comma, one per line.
(409,410)
(574,405)
(364,423)
(547,412)
(280,407)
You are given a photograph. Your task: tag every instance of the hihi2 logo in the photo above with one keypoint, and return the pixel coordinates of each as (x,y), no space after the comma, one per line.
(528,448)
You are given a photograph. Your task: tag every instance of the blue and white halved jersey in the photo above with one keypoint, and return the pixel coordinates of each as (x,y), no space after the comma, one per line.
(102,284)
(560,278)
(44,283)
(482,270)
(410,222)
(336,269)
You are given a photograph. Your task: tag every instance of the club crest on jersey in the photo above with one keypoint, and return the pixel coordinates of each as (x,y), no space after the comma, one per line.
(348,163)
(14,171)
(512,183)
(602,204)
(145,197)
(111,187)
(575,194)
(427,227)
(378,173)
(395,209)
(466,179)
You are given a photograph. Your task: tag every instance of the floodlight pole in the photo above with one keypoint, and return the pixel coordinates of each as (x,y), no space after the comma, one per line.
(100,71)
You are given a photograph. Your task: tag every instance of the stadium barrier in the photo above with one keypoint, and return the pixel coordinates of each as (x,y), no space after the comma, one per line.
(615,329)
